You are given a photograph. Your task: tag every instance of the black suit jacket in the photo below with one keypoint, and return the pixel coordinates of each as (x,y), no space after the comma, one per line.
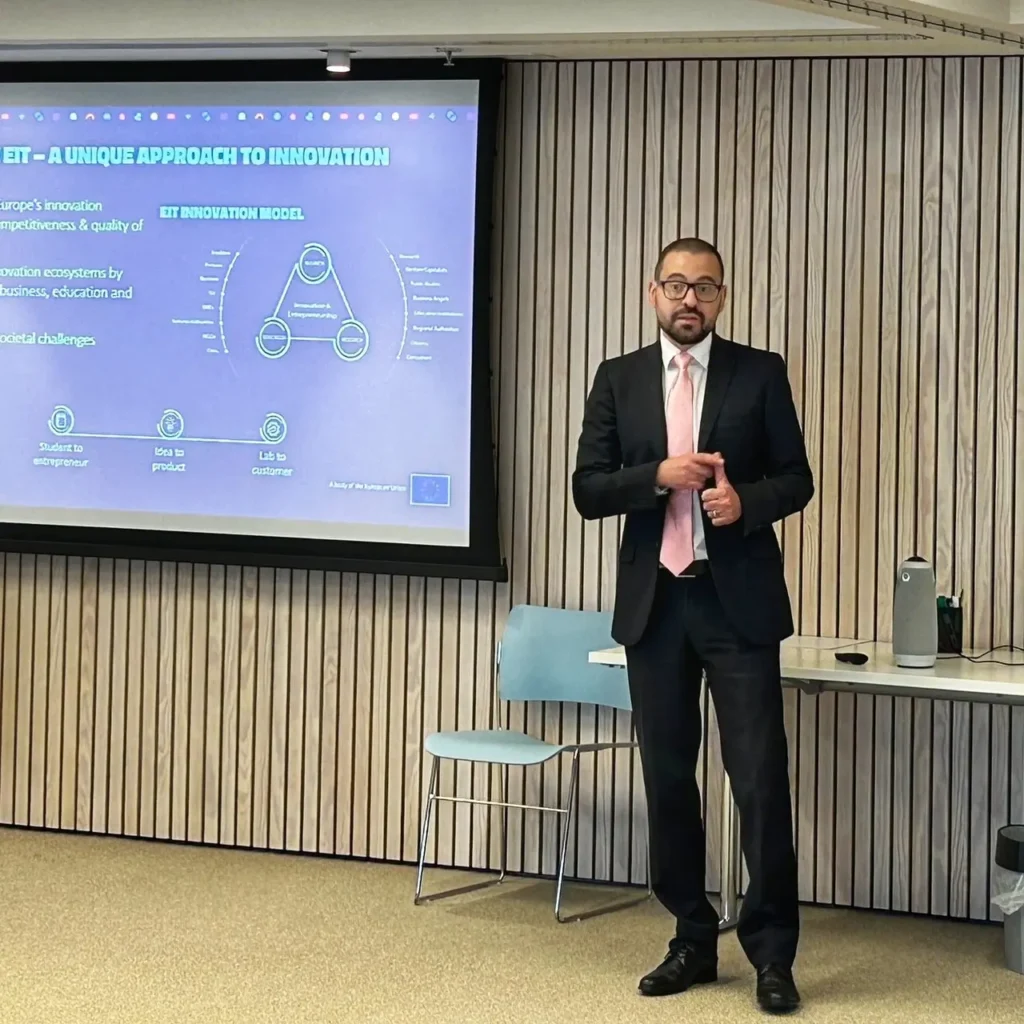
(748,416)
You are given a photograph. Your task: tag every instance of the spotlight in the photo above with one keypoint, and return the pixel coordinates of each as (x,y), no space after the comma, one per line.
(339,62)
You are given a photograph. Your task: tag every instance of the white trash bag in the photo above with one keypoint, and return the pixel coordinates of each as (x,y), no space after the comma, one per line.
(1007,890)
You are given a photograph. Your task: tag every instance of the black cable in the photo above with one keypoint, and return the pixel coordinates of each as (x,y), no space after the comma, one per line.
(984,659)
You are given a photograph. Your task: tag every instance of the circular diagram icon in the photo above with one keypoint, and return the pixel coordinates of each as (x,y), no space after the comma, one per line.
(274,428)
(314,264)
(171,425)
(62,421)
(351,341)
(274,338)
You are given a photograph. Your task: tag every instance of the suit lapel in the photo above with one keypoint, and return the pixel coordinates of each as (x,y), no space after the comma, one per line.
(720,370)
(652,395)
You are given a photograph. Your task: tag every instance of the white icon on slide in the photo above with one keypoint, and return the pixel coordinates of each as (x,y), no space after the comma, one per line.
(274,428)
(62,420)
(171,425)
(313,295)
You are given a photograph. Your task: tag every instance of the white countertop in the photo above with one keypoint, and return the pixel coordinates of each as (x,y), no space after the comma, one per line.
(810,662)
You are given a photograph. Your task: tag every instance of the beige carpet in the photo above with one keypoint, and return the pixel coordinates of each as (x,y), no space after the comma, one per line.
(105,931)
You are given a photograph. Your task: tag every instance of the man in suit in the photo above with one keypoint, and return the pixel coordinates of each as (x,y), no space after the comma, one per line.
(696,441)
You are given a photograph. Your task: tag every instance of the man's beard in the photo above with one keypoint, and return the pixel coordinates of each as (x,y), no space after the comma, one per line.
(686,336)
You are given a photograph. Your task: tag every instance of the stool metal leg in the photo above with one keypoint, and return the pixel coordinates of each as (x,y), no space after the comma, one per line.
(607,908)
(564,813)
(428,811)
(731,860)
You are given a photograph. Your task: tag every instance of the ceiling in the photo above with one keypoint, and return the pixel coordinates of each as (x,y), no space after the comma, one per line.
(243,29)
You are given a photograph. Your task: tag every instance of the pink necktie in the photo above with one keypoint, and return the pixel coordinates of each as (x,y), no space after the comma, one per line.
(677,538)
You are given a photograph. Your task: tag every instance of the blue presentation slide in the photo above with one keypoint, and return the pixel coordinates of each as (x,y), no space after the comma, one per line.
(245,317)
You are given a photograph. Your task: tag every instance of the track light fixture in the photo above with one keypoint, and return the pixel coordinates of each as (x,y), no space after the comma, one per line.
(339,62)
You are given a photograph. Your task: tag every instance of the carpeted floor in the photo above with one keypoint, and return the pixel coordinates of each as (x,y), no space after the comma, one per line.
(106,931)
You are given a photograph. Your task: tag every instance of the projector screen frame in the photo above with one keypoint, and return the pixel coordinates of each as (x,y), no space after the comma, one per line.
(482,559)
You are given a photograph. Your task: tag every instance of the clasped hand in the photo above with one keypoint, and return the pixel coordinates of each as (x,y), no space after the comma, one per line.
(691,472)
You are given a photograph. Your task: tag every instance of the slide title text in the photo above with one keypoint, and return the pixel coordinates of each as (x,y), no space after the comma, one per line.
(201,156)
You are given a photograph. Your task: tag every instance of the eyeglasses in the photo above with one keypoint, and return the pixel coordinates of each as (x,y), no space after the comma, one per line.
(676,290)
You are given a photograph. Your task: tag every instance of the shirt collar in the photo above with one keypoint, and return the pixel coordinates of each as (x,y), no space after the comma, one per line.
(700,353)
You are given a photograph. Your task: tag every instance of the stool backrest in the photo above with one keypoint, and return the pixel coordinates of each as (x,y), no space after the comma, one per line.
(543,656)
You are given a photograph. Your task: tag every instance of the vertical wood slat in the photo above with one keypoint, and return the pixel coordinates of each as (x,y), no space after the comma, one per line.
(869,212)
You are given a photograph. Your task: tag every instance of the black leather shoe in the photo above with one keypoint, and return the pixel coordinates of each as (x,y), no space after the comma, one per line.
(776,990)
(683,967)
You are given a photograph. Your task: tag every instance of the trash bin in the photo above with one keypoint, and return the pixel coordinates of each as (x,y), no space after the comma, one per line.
(1008,892)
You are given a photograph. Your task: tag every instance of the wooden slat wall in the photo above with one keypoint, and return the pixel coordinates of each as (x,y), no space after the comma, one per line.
(870,213)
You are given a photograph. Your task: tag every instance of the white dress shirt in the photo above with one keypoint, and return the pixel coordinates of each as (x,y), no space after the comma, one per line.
(700,354)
